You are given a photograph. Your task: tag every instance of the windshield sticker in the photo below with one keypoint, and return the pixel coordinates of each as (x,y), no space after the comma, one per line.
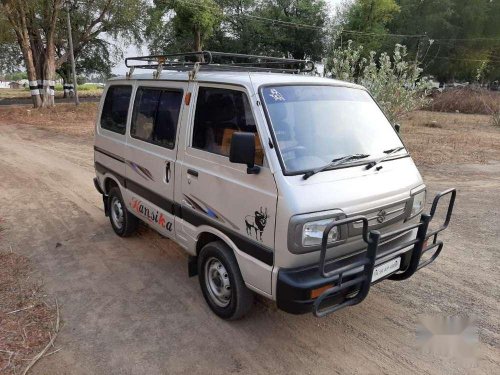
(276,95)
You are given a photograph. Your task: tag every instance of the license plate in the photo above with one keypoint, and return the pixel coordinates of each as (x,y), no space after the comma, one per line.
(386,268)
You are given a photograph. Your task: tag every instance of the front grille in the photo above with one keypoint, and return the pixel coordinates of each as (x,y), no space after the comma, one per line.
(381,216)
(386,214)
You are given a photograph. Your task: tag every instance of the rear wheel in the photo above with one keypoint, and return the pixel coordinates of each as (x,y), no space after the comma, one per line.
(123,222)
(221,282)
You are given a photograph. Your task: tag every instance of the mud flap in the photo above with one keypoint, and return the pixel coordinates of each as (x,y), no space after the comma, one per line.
(105,202)
(192,266)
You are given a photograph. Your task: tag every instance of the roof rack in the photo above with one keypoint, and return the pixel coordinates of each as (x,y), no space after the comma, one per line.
(216,61)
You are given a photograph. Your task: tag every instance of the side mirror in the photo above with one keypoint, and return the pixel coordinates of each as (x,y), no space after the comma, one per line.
(397,127)
(243,151)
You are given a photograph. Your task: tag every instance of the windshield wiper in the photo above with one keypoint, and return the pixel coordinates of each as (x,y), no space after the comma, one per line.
(388,153)
(335,162)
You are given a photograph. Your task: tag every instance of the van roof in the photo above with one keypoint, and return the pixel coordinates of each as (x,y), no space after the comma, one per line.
(241,78)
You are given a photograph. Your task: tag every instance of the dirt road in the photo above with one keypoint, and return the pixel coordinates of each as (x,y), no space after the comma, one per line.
(128,306)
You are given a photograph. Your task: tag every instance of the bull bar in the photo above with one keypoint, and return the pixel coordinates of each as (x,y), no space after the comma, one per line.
(366,263)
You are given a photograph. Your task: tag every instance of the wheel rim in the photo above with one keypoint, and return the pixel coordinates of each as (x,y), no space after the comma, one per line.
(217,282)
(117,212)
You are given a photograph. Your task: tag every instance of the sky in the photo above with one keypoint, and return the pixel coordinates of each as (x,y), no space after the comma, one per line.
(131,50)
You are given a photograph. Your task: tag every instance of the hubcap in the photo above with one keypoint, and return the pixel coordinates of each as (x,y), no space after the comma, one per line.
(217,282)
(117,212)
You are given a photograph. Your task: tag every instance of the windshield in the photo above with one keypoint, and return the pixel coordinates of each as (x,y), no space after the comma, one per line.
(314,125)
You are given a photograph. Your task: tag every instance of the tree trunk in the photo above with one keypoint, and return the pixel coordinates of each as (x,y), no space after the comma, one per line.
(49,74)
(197,40)
(32,77)
(37,51)
(16,14)
(64,75)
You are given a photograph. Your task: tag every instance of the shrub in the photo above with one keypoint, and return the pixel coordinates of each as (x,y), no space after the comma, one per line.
(394,82)
(495,118)
(467,99)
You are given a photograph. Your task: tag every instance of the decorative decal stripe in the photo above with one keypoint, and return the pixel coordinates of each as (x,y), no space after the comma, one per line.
(151,196)
(210,211)
(145,171)
(103,169)
(193,217)
(157,199)
(140,170)
(110,154)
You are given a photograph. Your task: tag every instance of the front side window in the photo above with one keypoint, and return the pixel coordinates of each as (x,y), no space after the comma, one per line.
(220,113)
(115,109)
(314,125)
(155,117)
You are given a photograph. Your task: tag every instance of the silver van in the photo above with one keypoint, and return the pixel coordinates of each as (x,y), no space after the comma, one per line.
(273,181)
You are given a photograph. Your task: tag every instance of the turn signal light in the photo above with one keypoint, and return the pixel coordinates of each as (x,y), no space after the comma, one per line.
(187,98)
(315,293)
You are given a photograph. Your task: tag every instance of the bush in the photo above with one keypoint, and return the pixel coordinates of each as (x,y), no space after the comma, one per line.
(495,118)
(395,83)
(469,99)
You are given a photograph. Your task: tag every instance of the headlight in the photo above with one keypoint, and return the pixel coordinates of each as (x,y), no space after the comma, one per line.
(418,203)
(312,232)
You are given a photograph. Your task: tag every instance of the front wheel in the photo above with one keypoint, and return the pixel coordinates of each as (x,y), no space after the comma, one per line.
(221,282)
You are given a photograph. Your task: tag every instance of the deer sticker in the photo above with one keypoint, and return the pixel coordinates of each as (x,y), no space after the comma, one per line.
(256,222)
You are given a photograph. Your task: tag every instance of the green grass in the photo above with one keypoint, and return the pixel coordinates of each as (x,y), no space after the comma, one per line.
(83,90)
(88,87)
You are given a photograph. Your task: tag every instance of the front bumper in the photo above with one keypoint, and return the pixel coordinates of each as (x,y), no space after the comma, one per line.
(347,281)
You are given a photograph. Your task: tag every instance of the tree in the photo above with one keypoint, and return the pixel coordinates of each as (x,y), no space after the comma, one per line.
(271,27)
(369,18)
(466,33)
(10,56)
(190,24)
(93,24)
(305,40)
(35,36)
(237,32)
(41,36)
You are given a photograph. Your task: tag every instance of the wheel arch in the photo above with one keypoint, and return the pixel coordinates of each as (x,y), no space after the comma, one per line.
(207,234)
(203,236)
(256,275)
(110,181)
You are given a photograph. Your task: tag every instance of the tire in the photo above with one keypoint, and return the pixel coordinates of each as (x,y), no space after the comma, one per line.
(123,222)
(218,269)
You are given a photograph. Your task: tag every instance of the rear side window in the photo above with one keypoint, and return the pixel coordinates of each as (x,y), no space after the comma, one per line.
(156,112)
(220,113)
(114,112)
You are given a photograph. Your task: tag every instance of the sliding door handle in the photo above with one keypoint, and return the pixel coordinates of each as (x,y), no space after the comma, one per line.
(167,172)
(192,172)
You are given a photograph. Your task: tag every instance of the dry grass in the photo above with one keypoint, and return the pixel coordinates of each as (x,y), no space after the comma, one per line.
(437,138)
(26,319)
(64,118)
(14,93)
(432,137)
(467,99)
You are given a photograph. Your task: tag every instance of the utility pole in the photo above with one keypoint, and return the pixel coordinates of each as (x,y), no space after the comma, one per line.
(71,55)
